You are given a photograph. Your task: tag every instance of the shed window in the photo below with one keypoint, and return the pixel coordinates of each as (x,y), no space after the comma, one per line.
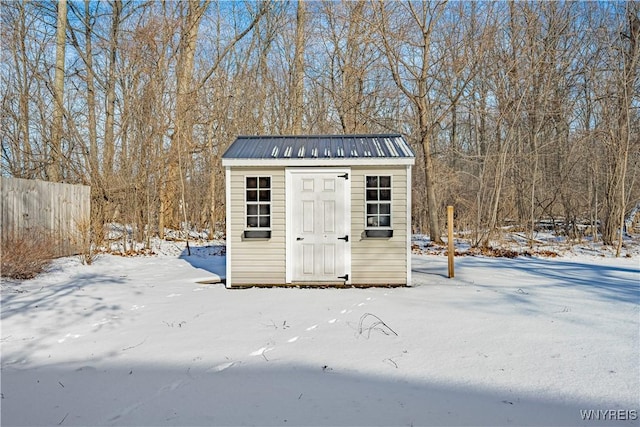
(378,200)
(258,199)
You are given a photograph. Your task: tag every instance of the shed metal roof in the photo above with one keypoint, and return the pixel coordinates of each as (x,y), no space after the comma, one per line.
(319,149)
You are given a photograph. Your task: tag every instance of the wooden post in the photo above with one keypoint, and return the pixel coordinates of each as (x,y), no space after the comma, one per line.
(450,239)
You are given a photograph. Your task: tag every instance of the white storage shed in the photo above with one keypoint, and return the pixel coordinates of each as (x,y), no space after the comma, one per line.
(318,210)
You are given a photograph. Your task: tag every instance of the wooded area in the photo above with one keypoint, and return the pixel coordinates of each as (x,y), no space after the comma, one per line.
(518,111)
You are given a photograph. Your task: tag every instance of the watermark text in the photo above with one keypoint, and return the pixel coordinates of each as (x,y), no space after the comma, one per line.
(609,414)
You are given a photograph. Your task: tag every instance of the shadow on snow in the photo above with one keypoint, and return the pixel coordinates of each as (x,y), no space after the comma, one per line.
(261,394)
(48,298)
(617,284)
(210,258)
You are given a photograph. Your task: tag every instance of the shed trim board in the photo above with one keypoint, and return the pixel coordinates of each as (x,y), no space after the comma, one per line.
(228,219)
(409,204)
(325,162)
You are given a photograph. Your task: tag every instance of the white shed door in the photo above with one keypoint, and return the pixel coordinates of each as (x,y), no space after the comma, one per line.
(320,225)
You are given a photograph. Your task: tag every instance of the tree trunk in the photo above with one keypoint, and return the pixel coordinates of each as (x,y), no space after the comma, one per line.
(349,64)
(26,158)
(213,166)
(109,126)
(97,188)
(54,171)
(432,204)
(613,220)
(632,60)
(91,98)
(297,107)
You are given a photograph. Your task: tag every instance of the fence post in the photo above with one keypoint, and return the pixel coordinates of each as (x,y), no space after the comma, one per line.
(450,239)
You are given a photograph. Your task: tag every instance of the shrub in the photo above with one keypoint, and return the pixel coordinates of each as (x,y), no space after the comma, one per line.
(85,242)
(26,255)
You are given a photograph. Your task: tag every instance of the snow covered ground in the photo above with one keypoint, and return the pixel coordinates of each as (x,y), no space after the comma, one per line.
(139,341)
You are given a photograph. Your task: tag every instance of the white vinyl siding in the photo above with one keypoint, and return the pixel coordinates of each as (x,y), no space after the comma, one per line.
(257,261)
(379,261)
(374,261)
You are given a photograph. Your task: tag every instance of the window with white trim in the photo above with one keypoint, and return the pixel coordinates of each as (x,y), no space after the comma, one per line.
(258,201)
(378,200)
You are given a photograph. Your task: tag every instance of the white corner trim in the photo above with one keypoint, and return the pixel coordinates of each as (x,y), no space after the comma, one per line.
(288,256)
(227,187)
(409,202)
(348,207)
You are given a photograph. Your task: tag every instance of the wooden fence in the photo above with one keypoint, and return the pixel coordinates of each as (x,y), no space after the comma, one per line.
(30,207)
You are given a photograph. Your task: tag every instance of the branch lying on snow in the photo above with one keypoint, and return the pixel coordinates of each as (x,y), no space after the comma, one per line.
(390,360)
(134,346)
(261,352)
(62,420)
(377,324)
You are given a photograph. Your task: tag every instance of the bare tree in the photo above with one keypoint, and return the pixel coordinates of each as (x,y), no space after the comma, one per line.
(349,51)
(624,92)
(407,32)
(297,78)
(186,90)
(183,125)
(54,169)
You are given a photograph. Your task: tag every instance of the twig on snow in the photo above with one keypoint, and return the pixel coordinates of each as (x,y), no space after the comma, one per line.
(377,324)
(392,361)
(134,346)
(64,418)
(272,325)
